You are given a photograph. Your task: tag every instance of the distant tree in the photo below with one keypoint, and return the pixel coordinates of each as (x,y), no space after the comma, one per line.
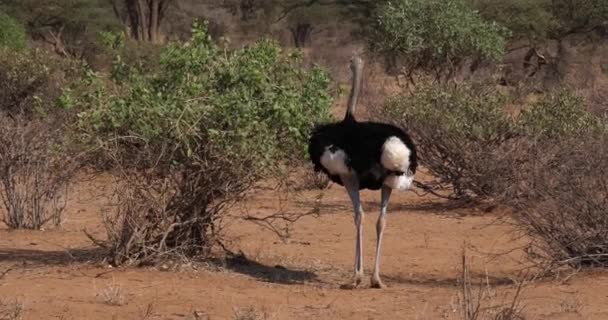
(580,15)
(304,18)
(142,19)
(526,19)
(435,36)
(539,20)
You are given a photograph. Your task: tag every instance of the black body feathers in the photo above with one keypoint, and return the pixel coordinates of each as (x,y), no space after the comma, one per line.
(362,143)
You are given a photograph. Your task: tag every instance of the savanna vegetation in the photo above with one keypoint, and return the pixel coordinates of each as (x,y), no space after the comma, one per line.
(188,122)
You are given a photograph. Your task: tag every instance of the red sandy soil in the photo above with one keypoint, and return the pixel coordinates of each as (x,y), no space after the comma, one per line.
(56,274)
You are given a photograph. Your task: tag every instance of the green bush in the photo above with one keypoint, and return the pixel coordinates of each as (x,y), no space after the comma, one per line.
(12,33)
(435,35)
(76,22)
(559,115)
(527,19)
(192,134)
(538,20)
(255,101)
(32,80)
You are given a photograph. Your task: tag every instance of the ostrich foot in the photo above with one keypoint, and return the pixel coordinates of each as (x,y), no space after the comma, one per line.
(377,283)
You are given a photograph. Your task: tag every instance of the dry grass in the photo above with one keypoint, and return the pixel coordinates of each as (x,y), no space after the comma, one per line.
(314,180)
(11,310)
(113,295)
(251,313)
(148,312)
(571,305)
(481,303)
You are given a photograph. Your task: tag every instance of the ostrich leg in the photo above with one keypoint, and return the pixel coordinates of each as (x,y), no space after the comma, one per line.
(352,187)
(380,225)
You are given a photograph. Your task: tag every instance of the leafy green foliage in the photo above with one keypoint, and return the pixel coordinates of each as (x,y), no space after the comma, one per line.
(253,102)
(538,20)
(192,135)
(31,81)
(559,115)
(12,33)
(112,40)
(435,35)
(528,19)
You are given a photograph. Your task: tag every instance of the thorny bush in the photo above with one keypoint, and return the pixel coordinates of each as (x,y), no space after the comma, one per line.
(193,135)
(461,133)
(37,160)
(559,193)
(548,164)
(472,145)
(36,169)
(561,201)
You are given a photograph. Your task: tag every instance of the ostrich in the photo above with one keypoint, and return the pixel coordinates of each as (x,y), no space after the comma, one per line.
(364,155)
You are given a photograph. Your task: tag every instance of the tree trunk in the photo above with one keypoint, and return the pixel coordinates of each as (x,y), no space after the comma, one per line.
(143,32)
(142,18)
(301,34)
(153,26)
(132,19)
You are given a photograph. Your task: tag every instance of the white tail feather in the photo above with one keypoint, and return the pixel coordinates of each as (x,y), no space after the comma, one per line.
(395,155)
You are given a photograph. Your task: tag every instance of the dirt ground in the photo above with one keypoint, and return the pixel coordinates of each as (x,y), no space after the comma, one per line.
(56,274)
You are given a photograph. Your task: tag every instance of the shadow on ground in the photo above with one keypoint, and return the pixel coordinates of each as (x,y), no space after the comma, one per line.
(239,263)
(447,282)
(43,257)
(440,207)
(458,208)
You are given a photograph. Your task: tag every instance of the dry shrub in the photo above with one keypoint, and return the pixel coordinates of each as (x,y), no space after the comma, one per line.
(479,304)
(35,162)
(559,192)
(548,164)
(469,142)
(311,180)
(149,311)
(462,133)
(35,172)
(561,201)
(173,210)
